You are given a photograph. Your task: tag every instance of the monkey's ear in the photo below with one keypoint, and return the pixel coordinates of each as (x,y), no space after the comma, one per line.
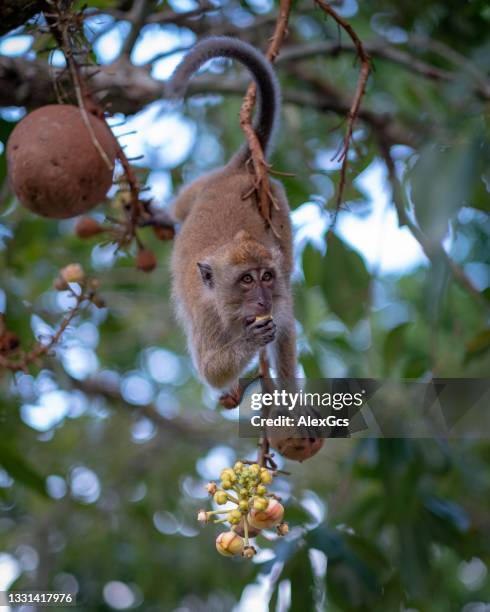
(206,274)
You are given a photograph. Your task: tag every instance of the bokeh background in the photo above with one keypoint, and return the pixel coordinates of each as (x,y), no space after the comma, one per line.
(106,446)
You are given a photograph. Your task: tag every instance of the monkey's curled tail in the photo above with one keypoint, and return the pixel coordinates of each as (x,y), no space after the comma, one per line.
(268,88)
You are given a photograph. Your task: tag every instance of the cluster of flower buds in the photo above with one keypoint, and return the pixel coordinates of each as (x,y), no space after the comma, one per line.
(74,273)
(250,508)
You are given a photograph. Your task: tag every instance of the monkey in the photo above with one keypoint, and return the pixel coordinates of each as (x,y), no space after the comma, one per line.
(231,274)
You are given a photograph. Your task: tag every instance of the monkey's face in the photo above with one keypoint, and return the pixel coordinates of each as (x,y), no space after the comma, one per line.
(254,290)
(241,293)
(243,279)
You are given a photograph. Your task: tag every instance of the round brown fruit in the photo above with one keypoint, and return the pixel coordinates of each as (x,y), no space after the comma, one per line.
(87,227)
(297,449)
(146,260)
(164,233)
(54,167)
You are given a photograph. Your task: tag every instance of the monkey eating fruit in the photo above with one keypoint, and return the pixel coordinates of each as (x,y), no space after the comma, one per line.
(231,271)
(263,317)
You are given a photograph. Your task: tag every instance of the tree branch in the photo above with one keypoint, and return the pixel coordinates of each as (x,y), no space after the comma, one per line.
(355,105)
(137,17)
(200,432)
(385,51)
(129,88)
(260,166)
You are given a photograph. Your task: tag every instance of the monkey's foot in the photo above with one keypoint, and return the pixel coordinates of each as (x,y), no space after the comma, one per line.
(232,398)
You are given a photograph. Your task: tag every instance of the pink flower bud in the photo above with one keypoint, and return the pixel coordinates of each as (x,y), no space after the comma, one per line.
(265,519)
(211,487)
(229,544)
(73,273)
(202,516)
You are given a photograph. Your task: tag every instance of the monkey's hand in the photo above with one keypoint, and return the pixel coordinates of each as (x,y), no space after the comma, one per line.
(260,332)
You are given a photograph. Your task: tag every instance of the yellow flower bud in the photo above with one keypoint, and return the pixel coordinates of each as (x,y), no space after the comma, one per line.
(261,490)
(243,505)
(226,484)
(234,517)
(260,503)
(264,519)
(244,493)
(228,474)
(265,476)
(229,543)
(254,469)
(220,498)
(238,467)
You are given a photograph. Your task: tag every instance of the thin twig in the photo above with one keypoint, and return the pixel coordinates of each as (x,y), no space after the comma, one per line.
(260,167)
(264,369)
(355,105)
(21,361)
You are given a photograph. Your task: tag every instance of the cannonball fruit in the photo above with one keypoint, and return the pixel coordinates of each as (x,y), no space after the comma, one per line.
(54,167)
(297,449)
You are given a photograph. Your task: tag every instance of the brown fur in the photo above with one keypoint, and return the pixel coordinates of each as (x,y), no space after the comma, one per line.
(218,226)
(225,232)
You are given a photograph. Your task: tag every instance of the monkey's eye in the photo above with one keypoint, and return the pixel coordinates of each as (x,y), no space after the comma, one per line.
(267,276)
(247,279)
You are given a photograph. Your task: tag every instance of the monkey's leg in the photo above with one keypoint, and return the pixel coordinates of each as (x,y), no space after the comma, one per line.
(221,366)
(233,397)
(185,200)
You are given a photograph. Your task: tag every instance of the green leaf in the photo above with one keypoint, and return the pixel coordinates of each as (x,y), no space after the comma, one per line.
(478,345)
(313,261)
(345,281)
(342,277)
(445,178)
(350,575)
(310,363)
(416,367)
(20,470)
(394,345)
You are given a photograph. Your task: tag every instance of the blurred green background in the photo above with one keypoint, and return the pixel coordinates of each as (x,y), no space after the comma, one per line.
(106,445)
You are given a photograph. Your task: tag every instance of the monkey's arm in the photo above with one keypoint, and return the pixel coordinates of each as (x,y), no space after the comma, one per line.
(221,364)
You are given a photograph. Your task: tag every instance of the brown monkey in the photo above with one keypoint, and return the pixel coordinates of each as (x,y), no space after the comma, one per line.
(231,274)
